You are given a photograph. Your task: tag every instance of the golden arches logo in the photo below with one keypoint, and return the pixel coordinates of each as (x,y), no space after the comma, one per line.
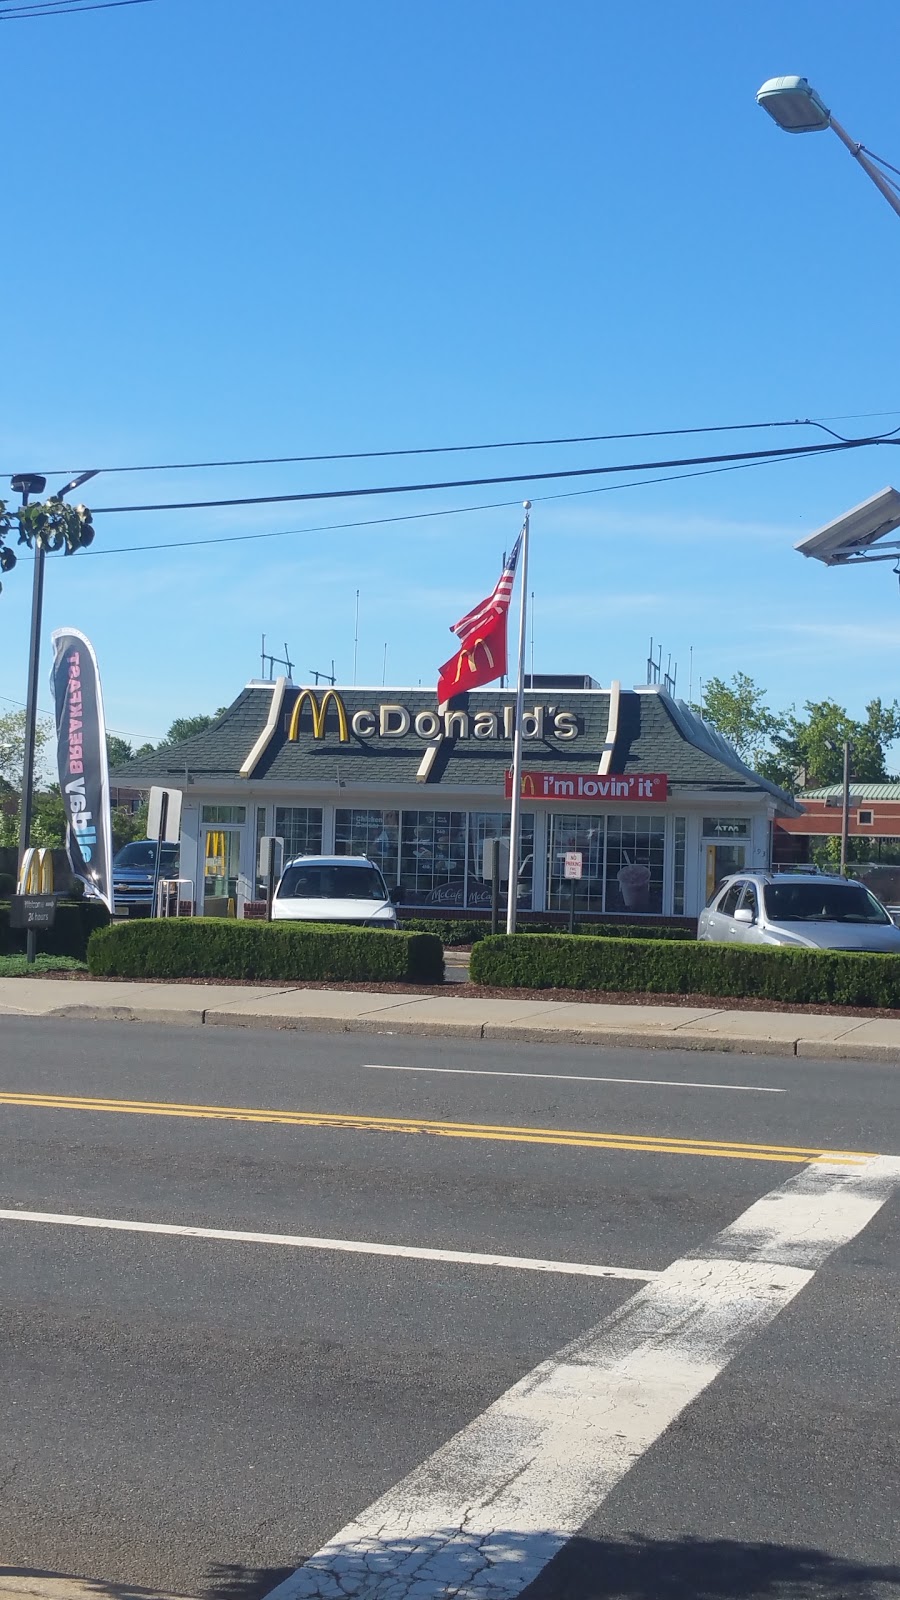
(527,785)
(36,876)
(319,712)
(469,653)
(215,853)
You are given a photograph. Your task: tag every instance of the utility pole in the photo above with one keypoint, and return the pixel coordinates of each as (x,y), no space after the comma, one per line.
(845,810)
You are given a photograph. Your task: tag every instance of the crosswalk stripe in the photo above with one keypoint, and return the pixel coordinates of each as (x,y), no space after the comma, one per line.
(483,1515)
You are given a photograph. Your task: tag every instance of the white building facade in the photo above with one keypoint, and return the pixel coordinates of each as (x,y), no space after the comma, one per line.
(658,805)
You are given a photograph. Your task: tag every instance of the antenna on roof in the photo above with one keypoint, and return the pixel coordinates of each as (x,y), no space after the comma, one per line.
(323,677)
(655,672)
(271,662)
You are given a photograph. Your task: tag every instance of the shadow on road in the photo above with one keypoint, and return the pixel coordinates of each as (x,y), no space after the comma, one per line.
(627,1568)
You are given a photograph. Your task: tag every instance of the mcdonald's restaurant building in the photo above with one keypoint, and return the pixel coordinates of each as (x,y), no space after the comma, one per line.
(658,804)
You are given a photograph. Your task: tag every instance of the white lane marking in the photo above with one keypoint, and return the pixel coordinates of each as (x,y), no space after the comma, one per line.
(574,1077)
(481,1517)
(360,1247)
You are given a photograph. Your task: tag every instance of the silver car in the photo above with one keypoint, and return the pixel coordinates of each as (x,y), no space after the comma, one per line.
(805,910)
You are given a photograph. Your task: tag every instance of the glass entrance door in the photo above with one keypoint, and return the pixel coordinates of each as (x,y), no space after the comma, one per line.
(721,861)
(222,854)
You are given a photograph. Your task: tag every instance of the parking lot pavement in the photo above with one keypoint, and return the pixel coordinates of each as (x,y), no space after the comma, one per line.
(448,1317)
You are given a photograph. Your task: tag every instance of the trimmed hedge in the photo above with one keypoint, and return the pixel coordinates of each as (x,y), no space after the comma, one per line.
(459,930)
(220,947)
(805,977)
(75,922)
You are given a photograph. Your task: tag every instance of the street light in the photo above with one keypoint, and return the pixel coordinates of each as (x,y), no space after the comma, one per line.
(851,538)
(795,106)
(27,484)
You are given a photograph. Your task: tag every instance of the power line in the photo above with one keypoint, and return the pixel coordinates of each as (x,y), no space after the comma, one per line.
(415,516)
(794,451)
(62,8)
(455,449)
(43,712)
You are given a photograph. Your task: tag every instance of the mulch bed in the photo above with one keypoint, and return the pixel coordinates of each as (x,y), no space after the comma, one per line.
(475,991)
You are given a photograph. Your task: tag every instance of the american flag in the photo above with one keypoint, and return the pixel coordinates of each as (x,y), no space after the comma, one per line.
(496,605)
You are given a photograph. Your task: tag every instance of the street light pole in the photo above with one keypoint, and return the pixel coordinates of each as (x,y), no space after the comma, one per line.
(795,106)
(27,484)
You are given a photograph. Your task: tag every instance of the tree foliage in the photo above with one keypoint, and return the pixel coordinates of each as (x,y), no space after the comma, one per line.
(12,745)
(118,750)
(186,727)
(801,750)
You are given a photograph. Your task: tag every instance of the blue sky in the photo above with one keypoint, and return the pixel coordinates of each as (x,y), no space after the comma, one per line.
(271,228)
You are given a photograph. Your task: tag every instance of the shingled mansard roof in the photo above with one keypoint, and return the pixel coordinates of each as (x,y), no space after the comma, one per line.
(654,734)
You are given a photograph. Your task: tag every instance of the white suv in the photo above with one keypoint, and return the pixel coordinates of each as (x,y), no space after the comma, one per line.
(808,910)
(334,889)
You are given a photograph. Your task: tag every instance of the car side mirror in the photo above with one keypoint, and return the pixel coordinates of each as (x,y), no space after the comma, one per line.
(744,914)
(396,895)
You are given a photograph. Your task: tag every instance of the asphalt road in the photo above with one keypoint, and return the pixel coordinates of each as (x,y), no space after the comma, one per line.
(200,1415)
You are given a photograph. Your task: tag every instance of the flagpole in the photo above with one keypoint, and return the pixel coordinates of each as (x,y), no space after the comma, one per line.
(516,805)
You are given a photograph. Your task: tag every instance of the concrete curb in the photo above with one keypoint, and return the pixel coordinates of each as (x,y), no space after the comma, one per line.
(384,1021)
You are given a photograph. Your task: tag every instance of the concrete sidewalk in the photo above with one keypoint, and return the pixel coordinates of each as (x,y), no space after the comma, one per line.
(662,1027)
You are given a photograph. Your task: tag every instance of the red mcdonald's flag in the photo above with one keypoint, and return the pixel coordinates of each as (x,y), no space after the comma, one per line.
(481,660)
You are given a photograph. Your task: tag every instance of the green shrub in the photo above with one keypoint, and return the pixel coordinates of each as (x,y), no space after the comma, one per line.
(824,977)
(214,947)
(69,936)
(459,930)
(7,883)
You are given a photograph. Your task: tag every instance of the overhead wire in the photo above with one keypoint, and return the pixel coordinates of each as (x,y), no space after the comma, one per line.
(44,712)
(455,449)
(793,451)
(414,516)
(61,8)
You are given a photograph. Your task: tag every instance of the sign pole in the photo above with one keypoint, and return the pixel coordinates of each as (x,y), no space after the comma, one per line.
(495,886)
(516,800)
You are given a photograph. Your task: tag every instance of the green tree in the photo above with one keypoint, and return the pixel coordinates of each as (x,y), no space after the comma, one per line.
(118,750)
(185,727)
(813,746)
(128,825)
(740,712)
(12,745)
(48,818)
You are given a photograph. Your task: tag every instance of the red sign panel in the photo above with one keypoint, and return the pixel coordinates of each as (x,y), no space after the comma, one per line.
(582,786)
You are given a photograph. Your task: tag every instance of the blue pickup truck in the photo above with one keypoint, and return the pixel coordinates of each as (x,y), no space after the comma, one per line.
(134,874)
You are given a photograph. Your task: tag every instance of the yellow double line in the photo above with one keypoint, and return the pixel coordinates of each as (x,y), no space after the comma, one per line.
(582,1139)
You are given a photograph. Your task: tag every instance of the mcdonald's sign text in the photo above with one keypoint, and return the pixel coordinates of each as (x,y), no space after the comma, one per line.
(390,720)
(642,786)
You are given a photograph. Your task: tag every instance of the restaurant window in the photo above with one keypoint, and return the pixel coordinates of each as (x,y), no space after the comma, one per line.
(635,852)
(484,826)
(364,832)
(679,857)
(586,834)
(621,862)
(301,829)
(433,858)
(224,814)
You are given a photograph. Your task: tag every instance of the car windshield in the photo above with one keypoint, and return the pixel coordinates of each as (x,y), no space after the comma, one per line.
(141,855)
(318,882)
(822,902)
